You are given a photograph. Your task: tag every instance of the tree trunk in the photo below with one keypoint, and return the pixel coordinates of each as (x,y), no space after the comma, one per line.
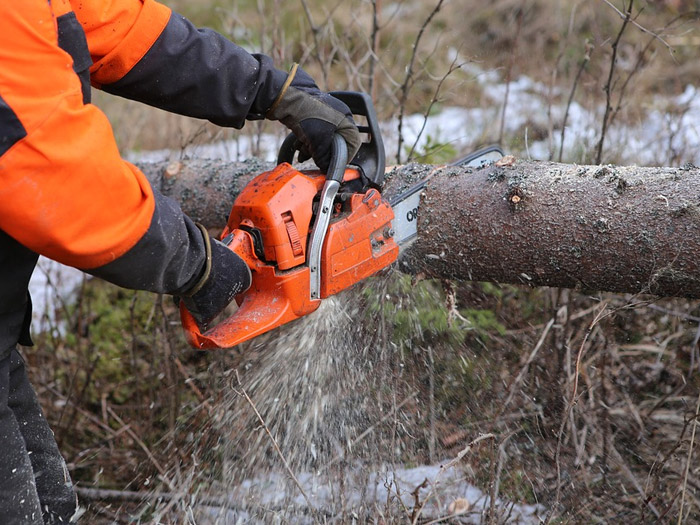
(622,229)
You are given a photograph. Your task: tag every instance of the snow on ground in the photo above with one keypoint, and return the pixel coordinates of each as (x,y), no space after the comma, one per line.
(238,149)
(441,493)
(671,129)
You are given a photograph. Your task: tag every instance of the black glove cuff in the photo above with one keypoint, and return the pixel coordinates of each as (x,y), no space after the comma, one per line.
(271,85)
(283,90)
(206,271)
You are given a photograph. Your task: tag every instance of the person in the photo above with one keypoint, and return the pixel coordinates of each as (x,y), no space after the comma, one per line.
(65,193)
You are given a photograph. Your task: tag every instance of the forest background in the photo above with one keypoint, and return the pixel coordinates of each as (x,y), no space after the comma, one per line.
(582,404)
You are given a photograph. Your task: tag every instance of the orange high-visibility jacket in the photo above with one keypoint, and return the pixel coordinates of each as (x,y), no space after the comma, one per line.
(64,190)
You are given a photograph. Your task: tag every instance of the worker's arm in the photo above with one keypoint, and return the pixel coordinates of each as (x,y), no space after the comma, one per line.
(145,52)
(64,190)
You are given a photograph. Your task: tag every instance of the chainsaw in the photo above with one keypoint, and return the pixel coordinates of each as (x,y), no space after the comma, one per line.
(306,235)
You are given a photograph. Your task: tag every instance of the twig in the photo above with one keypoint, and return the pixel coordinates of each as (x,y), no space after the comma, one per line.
(369,430)
(449,517)
(632,479)
(509,71)
(686,317)
(581,448)
(674,313)
(242,392)
(399,498)
(453,67)
(527,145)
(431,405)
(449,465)
(639,26)
(190,383)
(687,464)
(564,47)
(177,498)
(570,405)
(525,367)
(604,405)
(91,417)
(374,47)
(418,506)
(582,67)
(407,84)
(496,481)
(658,466)
(110,515)
(638,65)
(143,446)
(694,352)
(608,84)
(323,62)
(143,496)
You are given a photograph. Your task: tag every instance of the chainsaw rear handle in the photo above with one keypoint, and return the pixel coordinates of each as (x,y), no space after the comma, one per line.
(339,155)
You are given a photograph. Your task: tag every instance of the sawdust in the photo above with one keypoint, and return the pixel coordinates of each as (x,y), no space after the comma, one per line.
(315,384)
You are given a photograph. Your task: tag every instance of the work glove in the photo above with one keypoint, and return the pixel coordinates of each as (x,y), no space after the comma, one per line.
(314,117)
(224,276)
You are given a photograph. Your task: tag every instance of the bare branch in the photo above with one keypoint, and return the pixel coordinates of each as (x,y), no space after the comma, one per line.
(608,85)
(408,79)
(643,29)
(688,461)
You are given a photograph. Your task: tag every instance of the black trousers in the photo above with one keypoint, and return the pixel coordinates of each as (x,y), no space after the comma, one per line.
(35,488)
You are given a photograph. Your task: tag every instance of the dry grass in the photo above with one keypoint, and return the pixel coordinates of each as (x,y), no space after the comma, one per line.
(591,400)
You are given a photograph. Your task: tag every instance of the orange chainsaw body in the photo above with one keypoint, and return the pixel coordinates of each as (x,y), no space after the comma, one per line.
(269,227)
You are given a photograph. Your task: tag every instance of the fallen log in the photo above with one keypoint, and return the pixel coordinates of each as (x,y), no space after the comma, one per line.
(204,188)
(592,228)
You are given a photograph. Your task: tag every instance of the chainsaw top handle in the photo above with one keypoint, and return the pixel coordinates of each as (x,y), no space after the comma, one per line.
(339,155)
(339,159)
(370,159)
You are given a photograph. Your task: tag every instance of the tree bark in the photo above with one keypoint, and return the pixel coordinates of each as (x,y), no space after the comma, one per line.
(593,228)
(205,189)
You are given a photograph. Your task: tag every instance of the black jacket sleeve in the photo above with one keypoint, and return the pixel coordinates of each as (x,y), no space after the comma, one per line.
(200,73)
(168,258)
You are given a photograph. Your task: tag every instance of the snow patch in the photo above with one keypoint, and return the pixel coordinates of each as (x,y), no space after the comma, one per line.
(365,490)
(52,287)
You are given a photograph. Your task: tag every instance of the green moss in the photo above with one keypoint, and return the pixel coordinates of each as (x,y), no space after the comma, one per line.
(110,339)
(433,151)
(108,348)
(483,321)
(515,486)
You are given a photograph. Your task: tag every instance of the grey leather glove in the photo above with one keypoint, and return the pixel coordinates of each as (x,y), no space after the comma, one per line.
(314,117)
